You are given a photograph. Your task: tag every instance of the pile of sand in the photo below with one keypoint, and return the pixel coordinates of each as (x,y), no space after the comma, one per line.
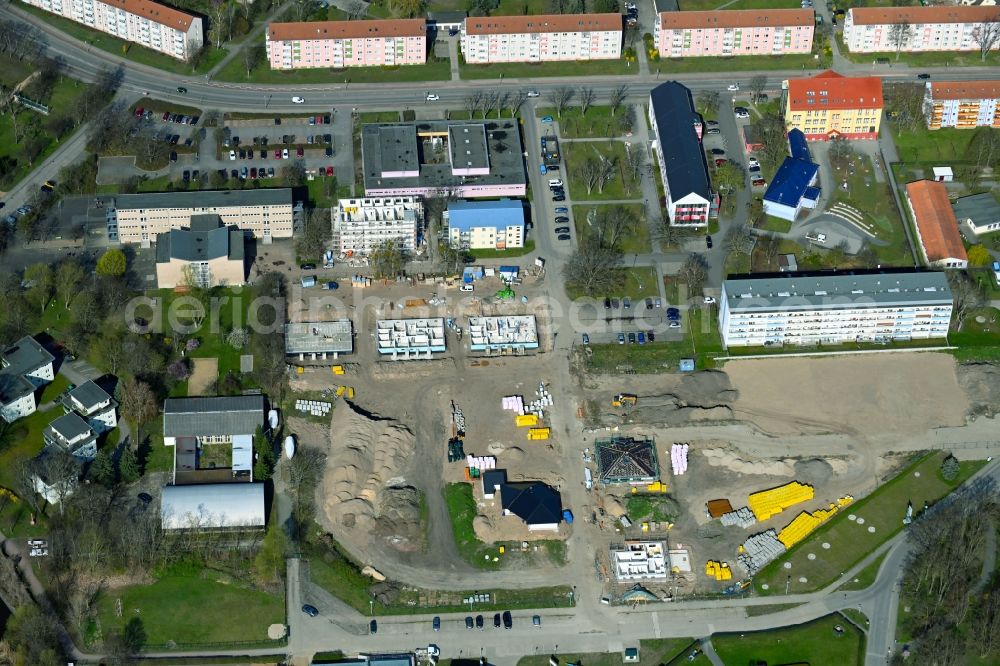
(364,483)
(813,471)
(981,383)
(699,396)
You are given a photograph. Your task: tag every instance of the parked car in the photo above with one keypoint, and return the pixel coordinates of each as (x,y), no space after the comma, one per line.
(562,209)
(561,230)
(173,156)
(718,151)
(373,627)
(312,121)
(299,152)
(508,621)
(554,183)
(923,76)
(733,87)
(621,338)
(547,119)
(758,182)
(284,153)
(436,624)
(467,288)
(533,93)
(615,303)
(586,339)
(234,174)
(232,155)
(627,303)
(708,242)
(563,237)
(631,338)
(650,336)
(607,303)
(753,162)
(311,611)
(559,197)
(649,303)
(562,219)
(658,302)
(709,300)
(641,337)
(479,622)
(468,622)
(329,171)
(496,620)
(36,542)
(536,620)
(719,162)
(675,324)
(713,130)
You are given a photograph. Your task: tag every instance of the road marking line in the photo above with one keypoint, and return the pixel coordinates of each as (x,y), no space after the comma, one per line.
(656,625)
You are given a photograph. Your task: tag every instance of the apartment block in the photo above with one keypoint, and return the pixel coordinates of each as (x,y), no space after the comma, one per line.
(930,28)
(677,130)
(937,227)
(361,225)
(155,26)
(340,44)
(547,38)
(734,32)
(794,309)
(486,225)
(831,106)
(962,104)
(138,218)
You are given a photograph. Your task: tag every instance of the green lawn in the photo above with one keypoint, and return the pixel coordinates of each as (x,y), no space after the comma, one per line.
(701,342)
(53,390)
(529,247)
(519,7)
(27,443)
(815,643)
(977,342)
(656,651)
(526,70)
(653,507)
(128,50)
(924,145)
(433,70)
(667,66)
(640,283)
(849,541)
(462,510)
(652,652)
(635,242)
(927,59)
(866,577)
(772,223)
(597,123)
(191,609)
(708,5)
(621,185)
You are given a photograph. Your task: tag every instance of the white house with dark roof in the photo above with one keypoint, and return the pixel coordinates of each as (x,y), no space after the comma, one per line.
(24,367)
(191,424)
(71,433)
(94,404)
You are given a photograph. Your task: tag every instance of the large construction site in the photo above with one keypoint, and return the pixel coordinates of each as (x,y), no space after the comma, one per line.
(660,484)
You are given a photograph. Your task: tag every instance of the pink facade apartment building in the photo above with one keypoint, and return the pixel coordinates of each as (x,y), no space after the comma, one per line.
(931,28)
(734,32)
(155,26)
(339,44)
(544,38)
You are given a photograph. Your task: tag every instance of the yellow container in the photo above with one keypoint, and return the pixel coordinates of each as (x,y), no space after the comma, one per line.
(337,369)
(538,433)
(340,390)
(300,369)
(350,392)
(523,420)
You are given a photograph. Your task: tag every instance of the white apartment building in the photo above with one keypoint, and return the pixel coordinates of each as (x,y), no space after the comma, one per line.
(834,309)
(155,26)
(962,104)
(138,218)
(547,38)
(639,560)
(492,225)
(931,28)
(339,44)
(25,366)
(734,32)
(361,225)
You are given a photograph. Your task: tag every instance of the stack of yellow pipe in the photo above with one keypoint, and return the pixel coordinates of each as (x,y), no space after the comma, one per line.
(768,503)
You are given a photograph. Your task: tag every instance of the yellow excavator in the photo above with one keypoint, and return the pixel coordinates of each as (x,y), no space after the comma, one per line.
(624,399)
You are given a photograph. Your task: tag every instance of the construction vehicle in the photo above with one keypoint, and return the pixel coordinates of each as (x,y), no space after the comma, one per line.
(624,400)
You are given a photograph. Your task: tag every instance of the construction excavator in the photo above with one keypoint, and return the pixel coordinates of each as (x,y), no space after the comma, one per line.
(624,400)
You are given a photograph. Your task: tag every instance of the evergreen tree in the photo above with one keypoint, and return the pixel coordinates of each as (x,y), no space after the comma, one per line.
(102,470)
(128,466)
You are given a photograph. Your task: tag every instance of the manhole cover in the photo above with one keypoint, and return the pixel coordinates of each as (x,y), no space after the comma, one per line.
(765,586)
(811,556)
(871,529)
(826,546)
(803,579)
(861,521)
(852,517)
(788,565)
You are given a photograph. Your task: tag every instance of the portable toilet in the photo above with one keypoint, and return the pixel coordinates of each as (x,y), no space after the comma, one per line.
(568,516)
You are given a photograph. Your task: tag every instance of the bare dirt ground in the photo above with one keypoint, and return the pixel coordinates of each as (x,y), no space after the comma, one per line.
(878,393)
(204,373)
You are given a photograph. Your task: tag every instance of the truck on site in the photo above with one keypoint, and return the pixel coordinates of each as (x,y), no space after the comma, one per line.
(624,399)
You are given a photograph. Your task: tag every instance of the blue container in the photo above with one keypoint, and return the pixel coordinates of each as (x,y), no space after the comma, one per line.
(568,516)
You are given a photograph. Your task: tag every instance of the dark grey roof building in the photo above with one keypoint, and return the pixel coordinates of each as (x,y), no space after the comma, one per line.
(627,460)
(212,253)
(979,212)
(222,416)
(73,434)
(24,366)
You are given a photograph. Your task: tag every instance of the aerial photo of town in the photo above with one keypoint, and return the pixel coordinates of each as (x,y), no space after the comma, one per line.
(499,332)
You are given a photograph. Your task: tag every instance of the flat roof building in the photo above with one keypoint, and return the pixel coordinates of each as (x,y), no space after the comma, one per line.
(205,254)
(138,218)
(442,158)
(542,38)
(213,506)
(410,338)
(962,104)
(223,424)
(511,333)
(639,560)
(493,225)
(930,28)
(734,32)
(677,130)
(797,309)
(361,225)
(937,229)
(979,212)
(319,340)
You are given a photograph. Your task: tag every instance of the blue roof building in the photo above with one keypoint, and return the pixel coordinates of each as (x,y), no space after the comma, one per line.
(480,225)
(798,146)
(793,186)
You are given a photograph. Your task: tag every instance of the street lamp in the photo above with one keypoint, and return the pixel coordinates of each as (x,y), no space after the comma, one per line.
(371,606)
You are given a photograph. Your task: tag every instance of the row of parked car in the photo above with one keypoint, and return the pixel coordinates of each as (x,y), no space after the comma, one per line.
(167,117)
(287,139)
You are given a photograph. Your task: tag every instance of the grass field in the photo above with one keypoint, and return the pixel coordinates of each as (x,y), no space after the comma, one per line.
(128,50)
(708,5)
(815,643)
(619,187)
(462,509)
(866,577)
(701,342)
(804,61)
(433,70)
(187,609)
(772,223)
(651,653)
(527,70)
(850,541)
(924,145)
(976,341)
(575,125)
(635,242)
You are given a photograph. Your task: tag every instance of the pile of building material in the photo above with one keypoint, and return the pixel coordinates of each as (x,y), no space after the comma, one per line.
(525,420)
(718,507)
(539,433)
(758,550)
(360,281)
(516,404)
(314,407)
(768,503)
(718,570)
(456,450)
(482,463)
(742,517)
(458,418)
(679,458)
(513,403)
(806,522)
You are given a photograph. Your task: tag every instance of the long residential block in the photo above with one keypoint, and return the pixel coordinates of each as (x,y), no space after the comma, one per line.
(340,44)
(138,218)
(155,26)
(962,104)
(734,32)
(931,28)
(831,106)
(834,309)
(546,38)
(362,225)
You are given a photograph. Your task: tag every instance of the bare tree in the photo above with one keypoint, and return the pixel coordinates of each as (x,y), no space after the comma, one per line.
(69,279)
(967,295)
(355,10)
(587,96)
(618,96)
(593,268)
(987,36)
(592,172)
(560,98)
(612,223)
(739,239)
(491,101)
(608,168)
(757,84)
(707,101)
(900,35)
(635,160)
(515,101)
(473,103)
(217,10)
(769,247)
(671,235)
(61,473)
(694,272)
(253,55)
(138,406)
